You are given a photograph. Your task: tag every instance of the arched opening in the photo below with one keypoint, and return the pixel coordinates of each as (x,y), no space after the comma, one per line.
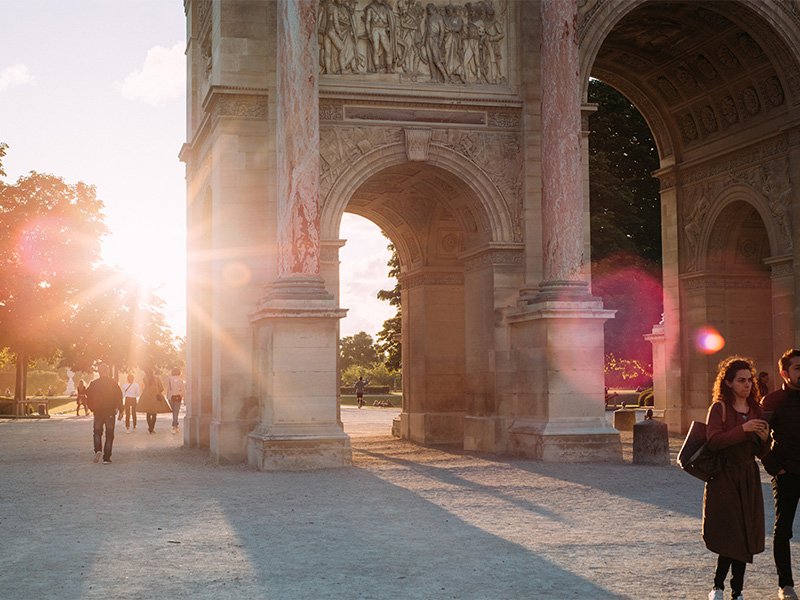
(717,84)
(438,225)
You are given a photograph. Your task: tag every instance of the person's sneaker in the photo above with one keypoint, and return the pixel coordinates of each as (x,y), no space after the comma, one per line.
(716,594)
(174,430)
(127,430)
(787,593)
(97,456)
(107,461)
(739,597)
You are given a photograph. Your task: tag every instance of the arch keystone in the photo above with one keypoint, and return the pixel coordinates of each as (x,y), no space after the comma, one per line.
(418,143)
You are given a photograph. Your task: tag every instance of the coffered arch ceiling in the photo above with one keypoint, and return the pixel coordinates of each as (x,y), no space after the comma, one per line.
(430,214)
(701,72)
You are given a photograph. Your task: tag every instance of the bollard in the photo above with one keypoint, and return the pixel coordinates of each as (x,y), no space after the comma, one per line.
(650,442)
(624,418)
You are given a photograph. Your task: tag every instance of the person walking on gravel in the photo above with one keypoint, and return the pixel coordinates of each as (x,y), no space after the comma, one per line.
(105,399)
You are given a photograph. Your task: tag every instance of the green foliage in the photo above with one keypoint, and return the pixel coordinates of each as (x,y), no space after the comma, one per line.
(389,336)
(357,350)
(624,196)
(376,373)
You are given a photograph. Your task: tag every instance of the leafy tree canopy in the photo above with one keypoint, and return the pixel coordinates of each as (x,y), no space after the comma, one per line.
(359,350)
(389,336)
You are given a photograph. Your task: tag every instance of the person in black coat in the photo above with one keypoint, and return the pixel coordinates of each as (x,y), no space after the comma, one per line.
(105,399)
(783,463)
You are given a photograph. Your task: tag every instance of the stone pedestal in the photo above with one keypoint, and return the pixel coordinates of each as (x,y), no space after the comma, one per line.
(557,349)
(297,328)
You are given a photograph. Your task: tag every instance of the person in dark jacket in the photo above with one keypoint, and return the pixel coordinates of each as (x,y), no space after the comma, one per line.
(733,506)
(105,399)
(783,463)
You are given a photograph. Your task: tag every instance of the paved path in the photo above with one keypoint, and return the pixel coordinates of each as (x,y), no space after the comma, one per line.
(404,522)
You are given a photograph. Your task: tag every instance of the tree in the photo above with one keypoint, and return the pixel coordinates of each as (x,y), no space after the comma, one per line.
(50,235)
(389,337)
(625,215)
(359,350)
(624,197)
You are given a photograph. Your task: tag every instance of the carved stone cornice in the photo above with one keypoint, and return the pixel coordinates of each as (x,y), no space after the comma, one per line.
(736,160)
(780,266)
(701,281)
(418,143)
(240,103)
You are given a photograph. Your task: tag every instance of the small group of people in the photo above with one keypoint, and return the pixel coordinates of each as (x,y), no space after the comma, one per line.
(110,402)
(745,421)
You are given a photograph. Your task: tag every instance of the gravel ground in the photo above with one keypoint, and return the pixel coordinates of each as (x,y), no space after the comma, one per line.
(404,522)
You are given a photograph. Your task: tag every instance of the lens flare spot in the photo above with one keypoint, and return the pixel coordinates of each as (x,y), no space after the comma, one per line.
(709,340)
(236,274)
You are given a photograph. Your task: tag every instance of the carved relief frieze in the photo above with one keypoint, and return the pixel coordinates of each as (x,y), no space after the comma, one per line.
(730,114)
(709,119)
(499,155)
(769,179)
(772,90)
(506,119)
(750,101)
(587,11)
(447,43)
(341,147)
(247,106)
(331,110)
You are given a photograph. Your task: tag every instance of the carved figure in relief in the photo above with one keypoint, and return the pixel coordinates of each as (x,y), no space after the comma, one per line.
(453,52)
(381,32)
(693,224)
(494,57)
(338,31)
(473,41)
(410,34)
(434,41)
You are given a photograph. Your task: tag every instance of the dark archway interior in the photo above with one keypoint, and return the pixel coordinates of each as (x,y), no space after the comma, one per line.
(699,72)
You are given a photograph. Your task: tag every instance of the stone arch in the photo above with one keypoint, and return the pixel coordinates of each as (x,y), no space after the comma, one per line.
(734,194)
(492,203)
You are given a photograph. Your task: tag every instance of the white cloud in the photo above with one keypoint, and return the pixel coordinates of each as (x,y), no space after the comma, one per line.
(15,75)
(162,76)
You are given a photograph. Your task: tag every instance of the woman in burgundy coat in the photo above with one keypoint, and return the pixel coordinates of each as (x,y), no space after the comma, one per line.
(733,507)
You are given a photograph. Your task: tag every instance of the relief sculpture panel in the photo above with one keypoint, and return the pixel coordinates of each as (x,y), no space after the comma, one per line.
(462,43)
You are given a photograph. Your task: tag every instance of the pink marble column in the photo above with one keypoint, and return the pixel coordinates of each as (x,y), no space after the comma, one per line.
(298,140)
(562,191)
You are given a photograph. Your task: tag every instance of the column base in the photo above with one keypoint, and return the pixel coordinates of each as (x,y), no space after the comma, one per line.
(196,432)
(486,434)
(432,428)
(228,440)
(277,450)
(566,441)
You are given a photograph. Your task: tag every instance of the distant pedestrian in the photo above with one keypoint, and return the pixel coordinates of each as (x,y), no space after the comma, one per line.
(359,386)
(176,390)
(81,399)
(105,399)
(152,401)
(733,506)
(131,392)
(763,384)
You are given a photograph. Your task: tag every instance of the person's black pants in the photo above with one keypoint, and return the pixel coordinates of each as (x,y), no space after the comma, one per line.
(737,574)
(785,492)
(103,422)
(151,422)
(130,408)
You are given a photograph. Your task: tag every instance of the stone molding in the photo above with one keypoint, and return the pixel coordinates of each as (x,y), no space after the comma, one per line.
(494,257)
(748,156)
(229,103)
(412,280)
(780,266)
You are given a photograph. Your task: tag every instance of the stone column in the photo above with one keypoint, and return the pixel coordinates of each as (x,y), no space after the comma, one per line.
(557,335)
(297,319)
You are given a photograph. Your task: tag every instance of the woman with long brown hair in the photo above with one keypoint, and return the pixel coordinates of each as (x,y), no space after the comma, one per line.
(733,506)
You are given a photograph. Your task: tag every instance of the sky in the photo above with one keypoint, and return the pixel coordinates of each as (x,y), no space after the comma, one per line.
(94,91)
